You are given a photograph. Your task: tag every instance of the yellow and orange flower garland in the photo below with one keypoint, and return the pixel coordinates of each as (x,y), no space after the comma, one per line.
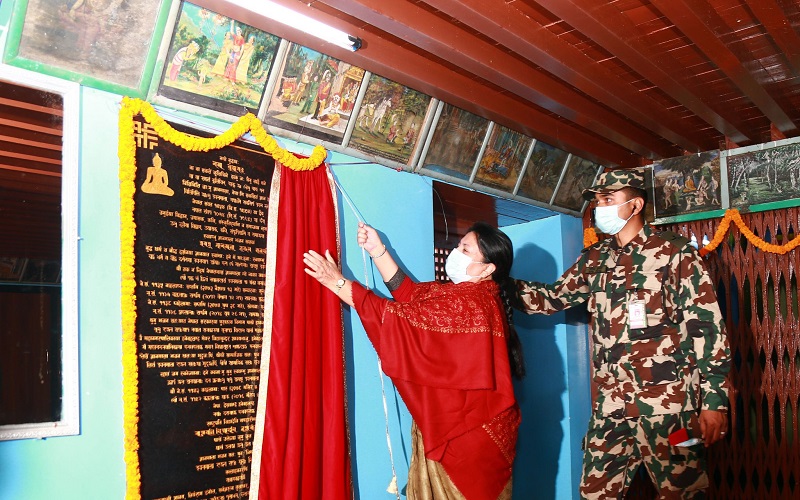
(127,175)
(731,216)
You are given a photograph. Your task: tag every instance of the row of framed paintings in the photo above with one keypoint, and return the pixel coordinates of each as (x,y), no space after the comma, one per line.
(703,185)
(203,62)
(220,64)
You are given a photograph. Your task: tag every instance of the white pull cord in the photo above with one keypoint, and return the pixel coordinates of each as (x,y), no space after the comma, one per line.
(393,483)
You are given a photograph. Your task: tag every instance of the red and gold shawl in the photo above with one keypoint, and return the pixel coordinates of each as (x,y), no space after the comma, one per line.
(444,347)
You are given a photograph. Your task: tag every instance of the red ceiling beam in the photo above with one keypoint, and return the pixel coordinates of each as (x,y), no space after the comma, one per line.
(769,13)
(685,18)
(391,60)
(506,24)
(601,22)
(449,42)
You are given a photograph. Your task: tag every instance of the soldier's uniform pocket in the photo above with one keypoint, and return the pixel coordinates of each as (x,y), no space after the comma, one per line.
(596,278)
(651,359)
(646,286)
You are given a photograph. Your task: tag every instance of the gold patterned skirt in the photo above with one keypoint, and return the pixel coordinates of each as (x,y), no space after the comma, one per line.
(427,479)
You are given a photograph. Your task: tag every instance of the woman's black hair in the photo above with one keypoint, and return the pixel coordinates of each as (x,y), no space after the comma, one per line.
(496,247)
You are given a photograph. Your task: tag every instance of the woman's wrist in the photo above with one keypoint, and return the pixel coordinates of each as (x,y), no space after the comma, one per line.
(373,257)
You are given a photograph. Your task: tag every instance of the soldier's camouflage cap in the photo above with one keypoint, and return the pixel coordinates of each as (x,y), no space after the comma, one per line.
(616,180)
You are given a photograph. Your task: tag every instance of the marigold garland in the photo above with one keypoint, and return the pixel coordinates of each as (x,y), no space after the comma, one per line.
(731,216)
(127,175)
(589,237)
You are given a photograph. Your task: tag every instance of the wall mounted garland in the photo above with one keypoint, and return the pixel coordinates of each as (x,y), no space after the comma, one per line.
(731,216)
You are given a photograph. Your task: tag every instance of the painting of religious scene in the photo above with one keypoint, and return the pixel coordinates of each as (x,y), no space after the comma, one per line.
(579,175)
(543,172)
(100,43)
(686,184)
(764,175)
(456,142)
(389,120)
(217,62)
(503,158)
(315,94)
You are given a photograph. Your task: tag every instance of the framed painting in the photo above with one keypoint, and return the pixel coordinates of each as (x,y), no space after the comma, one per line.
(106,44)
(216,62)
(543,172)
(503,159)
(389,120)
(579,174)
(314,94)
(687,184)
(455,143)
(769,177)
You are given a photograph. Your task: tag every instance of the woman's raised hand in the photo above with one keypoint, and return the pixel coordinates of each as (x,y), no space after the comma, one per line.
(323,269)
(369,240)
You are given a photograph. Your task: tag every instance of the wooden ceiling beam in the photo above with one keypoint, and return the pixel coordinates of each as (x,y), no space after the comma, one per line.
(449,42)
(28,106)
(506,24)
(600,24)
(769,13)
(696,28)
(386,57)
(12,120)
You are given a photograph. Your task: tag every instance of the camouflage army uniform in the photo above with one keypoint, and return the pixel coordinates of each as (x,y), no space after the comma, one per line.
(652,380)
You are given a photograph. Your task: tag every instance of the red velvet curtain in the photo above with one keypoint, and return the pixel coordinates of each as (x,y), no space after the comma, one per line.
(305,453)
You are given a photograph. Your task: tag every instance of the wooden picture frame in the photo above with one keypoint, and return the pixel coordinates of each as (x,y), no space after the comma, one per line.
(542,173)
(389,120)
(687,186)
(216,62)
(503,159)
(106,44)
(763,177)
(453,149)
(578,175)
(312,94)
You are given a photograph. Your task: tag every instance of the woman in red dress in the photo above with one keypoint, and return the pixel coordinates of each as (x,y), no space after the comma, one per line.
(450,350)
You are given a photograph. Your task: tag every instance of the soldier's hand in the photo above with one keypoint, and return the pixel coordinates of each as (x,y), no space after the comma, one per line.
(713,425)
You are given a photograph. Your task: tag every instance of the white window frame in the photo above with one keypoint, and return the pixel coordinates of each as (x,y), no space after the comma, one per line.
(69,423)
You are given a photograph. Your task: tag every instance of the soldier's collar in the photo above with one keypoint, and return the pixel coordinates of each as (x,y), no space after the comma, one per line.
(645,232)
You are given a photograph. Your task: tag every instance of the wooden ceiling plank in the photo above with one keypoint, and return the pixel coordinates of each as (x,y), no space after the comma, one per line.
(433,34)
(684,16)
(600,27)
(398,63)
(11,122)
(13,103)
(35,171)
(769,13)
(26,142)
(31,157)
(512,28)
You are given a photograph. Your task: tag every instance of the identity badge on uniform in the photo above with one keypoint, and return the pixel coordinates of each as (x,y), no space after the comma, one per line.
(637,314)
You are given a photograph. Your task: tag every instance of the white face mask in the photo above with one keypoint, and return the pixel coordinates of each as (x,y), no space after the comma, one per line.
(607,218)
(456,266)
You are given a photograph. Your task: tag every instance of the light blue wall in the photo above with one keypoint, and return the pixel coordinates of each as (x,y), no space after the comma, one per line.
(554,396)
(400,206)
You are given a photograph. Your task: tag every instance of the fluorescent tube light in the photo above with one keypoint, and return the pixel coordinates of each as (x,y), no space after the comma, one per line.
(302,22)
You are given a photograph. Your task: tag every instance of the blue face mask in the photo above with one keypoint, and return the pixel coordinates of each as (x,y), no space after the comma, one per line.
(607,219)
